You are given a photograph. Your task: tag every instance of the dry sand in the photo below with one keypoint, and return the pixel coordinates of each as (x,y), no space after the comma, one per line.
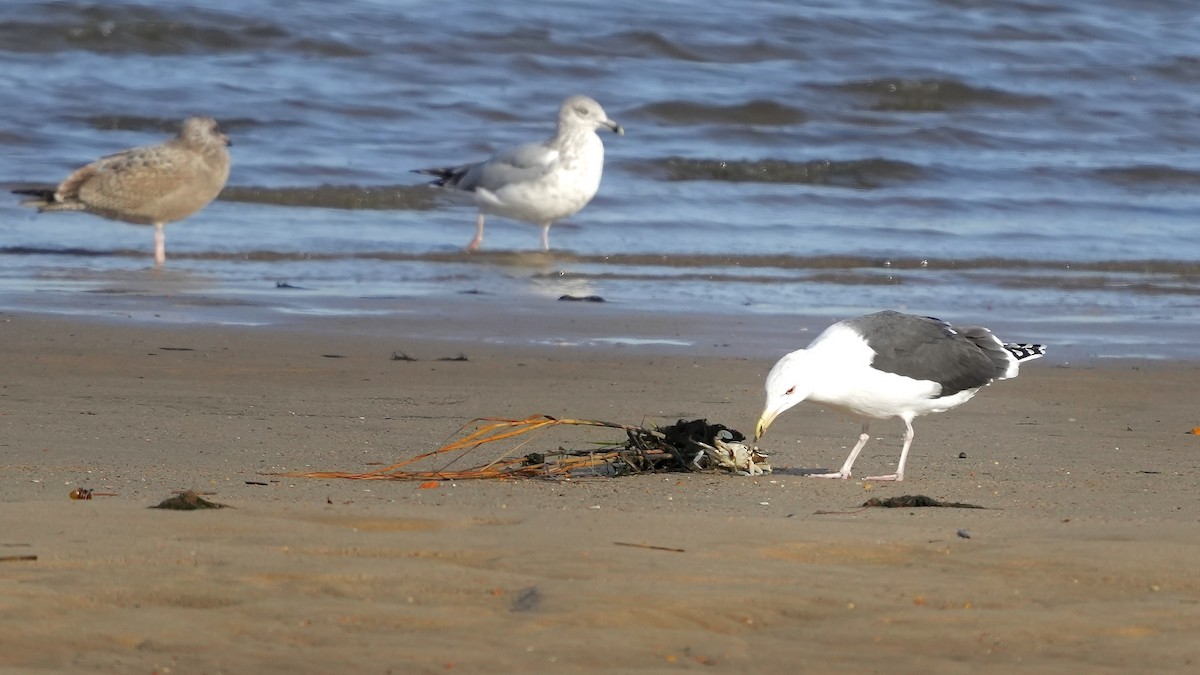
(1083,561)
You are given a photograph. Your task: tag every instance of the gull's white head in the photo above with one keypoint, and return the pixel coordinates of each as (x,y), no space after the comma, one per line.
(585,111)
(787,385)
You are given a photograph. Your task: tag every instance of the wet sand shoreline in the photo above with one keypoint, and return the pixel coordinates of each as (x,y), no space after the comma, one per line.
(1083,557)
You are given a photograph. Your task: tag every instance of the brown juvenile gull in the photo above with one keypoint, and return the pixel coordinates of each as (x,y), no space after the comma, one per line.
(149,185)
(538,183)
(888,365)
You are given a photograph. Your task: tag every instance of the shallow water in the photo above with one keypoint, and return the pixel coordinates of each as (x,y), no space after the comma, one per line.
(1024,164)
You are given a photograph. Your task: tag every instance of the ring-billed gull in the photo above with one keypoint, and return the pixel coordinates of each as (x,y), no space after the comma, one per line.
(888,365)
(538,183)
(149,185)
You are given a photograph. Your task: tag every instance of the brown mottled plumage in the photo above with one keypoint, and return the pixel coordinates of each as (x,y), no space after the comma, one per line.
(149,185)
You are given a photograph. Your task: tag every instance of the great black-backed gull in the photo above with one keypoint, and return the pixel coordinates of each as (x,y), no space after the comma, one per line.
(888,365)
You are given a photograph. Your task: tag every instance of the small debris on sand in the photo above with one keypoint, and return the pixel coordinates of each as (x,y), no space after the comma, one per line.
(188,500)
(911,501)
(527,600)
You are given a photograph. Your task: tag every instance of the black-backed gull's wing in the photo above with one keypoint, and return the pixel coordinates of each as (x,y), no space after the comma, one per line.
(927,349)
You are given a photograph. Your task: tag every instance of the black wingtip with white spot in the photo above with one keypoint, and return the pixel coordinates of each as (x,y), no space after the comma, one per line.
(1024,351)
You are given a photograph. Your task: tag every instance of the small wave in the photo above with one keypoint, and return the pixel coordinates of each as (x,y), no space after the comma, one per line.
(1181,269)
(935,95)
(1091,282)
(375,197)
(859,269)
(70,252)
(1150,177)
(753,112)
(1182,69)
(956,136)
(157,124)
(144,30)
(860,173)
(523,40)
(1007,32)
(628,44)
(847,278)
(652,44)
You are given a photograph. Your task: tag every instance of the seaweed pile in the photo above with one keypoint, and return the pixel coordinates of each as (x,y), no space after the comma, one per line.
(686,446)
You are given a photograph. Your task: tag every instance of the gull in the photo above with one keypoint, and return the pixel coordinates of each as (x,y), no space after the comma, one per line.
(888,365)
(148,185)
(538,183)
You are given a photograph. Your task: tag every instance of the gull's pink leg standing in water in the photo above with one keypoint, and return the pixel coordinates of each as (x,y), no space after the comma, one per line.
(149,185)
(538,183)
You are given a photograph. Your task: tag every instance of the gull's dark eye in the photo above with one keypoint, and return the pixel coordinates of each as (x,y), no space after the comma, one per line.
(581,111)
(789,392)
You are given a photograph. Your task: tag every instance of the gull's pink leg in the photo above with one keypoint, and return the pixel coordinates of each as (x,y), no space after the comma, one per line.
(899,475)
(160,245)
(478,240)
(546,237)
(844,473)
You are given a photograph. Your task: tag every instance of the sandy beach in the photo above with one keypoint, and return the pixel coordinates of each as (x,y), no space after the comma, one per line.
(1083,559)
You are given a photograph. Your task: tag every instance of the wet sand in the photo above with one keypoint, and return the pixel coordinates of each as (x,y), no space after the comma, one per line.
(1082,561)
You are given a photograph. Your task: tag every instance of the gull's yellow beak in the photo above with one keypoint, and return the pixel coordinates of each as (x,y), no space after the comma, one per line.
(764,421)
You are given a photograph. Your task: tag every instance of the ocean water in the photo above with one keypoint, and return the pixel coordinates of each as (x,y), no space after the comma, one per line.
(1031,164)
